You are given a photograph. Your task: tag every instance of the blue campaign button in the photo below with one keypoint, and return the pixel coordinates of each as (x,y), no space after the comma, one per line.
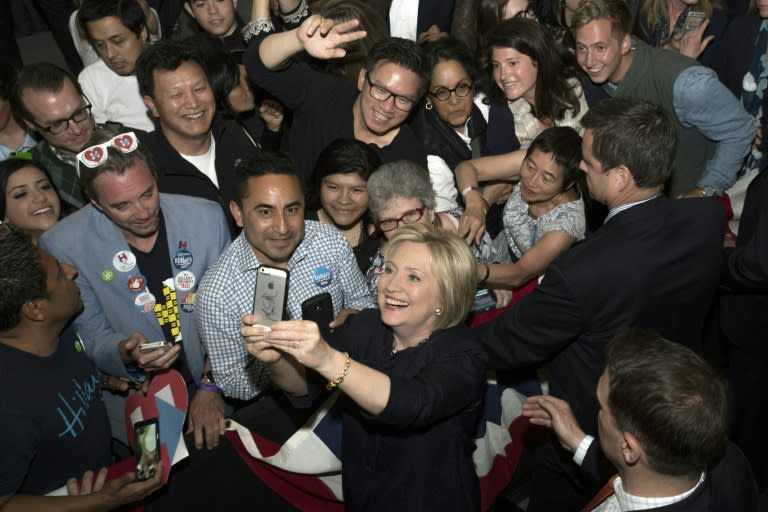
(183,259)
(322,276)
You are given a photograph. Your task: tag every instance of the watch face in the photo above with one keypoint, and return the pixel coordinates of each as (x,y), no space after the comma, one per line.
(209,376)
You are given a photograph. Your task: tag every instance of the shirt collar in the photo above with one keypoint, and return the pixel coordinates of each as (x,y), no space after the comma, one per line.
(615,211)
(628,502)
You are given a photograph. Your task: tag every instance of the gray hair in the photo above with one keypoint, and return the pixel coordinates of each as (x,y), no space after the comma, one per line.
(402,178)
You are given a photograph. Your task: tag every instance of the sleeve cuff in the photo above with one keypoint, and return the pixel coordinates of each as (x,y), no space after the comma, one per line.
(581,451)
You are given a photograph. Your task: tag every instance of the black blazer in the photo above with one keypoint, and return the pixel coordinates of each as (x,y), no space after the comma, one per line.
(728,485)
(655,265)
(175,175)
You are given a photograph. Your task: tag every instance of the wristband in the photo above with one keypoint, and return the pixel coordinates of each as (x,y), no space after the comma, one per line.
(470,189)
(347,363)
(213,388)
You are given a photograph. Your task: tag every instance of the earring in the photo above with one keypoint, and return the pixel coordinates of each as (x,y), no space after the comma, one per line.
(438,312)
(428,105)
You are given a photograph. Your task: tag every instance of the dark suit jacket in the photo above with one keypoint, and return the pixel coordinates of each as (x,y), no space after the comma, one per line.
(728,486)
(655,265)
(175,175)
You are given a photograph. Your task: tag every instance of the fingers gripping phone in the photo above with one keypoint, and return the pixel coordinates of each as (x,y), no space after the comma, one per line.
(270,294)
(319,309)
(147,434)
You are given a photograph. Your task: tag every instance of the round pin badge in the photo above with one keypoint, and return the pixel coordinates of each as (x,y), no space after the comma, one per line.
(145,302)
(184,280)
(107,275)
(188,302)
(79,345)
(183,259)
(136,283)
(124,261)
(322,276)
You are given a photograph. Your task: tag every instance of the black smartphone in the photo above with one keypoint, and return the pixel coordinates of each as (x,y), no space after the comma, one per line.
(484,300)
(319,309)
(270,294)
(147,434)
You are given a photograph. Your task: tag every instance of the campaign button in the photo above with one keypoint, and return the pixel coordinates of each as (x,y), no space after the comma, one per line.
(188,302)
(136,283)
(322,276)
(183,259)
(145,302)
(185,280)
(107,275)
(124,261)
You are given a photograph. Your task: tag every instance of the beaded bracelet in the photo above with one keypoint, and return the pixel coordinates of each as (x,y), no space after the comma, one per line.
(347,363)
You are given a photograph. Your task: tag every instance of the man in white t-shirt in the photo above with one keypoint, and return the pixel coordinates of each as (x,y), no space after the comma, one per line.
(118,32)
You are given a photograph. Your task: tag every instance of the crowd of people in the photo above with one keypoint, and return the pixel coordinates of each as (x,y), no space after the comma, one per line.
(569,188)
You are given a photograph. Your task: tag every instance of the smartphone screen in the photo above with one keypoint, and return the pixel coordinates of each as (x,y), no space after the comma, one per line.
(147,435)
(484,301)
(270,294)
(319,309)
(693,20)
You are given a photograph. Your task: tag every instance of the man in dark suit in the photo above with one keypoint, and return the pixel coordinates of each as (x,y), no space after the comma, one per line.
(663,425)
(654,263)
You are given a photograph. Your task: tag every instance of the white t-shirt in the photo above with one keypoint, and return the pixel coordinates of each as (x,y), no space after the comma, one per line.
(114,98)
(403,15)
(205,163)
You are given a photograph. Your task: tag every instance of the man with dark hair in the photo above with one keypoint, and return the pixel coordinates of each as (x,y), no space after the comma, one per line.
(13,135)
(655,263)
(54,423)
(117,29)
(146,254)
(328,107)
(714,131)
(50,102)
(194,149)
(663,424)
(269,206)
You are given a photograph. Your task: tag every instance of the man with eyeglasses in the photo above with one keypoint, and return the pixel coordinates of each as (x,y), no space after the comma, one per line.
(51,103)
(327,107)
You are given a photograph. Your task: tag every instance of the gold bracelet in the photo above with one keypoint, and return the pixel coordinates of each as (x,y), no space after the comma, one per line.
(334,383)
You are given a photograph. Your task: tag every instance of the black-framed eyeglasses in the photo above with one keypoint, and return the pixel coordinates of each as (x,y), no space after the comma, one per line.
(408,217)
(380,93)
(444,94)
(60,125)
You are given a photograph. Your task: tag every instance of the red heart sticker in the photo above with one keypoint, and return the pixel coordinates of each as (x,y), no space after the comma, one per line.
(94,155)
(124,142)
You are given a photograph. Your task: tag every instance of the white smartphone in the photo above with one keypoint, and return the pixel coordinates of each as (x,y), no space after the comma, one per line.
(270,294)
(152,345)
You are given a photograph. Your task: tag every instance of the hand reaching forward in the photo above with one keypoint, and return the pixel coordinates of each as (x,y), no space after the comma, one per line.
(556,414)
(322,37)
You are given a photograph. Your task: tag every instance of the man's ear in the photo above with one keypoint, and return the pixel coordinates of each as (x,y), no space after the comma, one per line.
(35,310)
(97,205)
(237,213)
(150,103)
(31,126)
(623,177)
(361,79)
(626,44)
(631,449)
(188,8)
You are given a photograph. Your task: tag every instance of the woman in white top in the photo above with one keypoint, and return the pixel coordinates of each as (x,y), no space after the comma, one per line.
(537,79)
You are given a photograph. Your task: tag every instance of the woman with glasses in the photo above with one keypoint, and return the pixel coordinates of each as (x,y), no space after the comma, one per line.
(453,118)
(536,88)
(401,193)
(338,194)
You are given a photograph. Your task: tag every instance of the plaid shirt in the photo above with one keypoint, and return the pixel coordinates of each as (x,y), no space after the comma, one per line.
(63,173)
(226,294)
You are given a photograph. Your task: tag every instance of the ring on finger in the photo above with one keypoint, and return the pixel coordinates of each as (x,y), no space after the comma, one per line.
(295,344)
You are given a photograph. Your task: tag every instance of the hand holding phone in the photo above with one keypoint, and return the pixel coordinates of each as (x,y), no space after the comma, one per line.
(153,345)
(319,309)
(693,20)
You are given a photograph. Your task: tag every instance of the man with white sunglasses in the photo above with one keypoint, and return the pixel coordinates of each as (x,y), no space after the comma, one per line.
(140,255)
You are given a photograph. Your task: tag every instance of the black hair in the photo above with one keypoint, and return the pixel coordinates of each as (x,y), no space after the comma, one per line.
(258,165)
(564,144)
(40,76)
(22,277)
(342,156)
(402,52)
(129,12)
(10,166)
(450,48)
(163,55)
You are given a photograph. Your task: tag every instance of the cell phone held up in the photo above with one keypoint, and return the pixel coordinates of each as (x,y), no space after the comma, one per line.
(319,309)
(270,294)
(693,20)
(147,448)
